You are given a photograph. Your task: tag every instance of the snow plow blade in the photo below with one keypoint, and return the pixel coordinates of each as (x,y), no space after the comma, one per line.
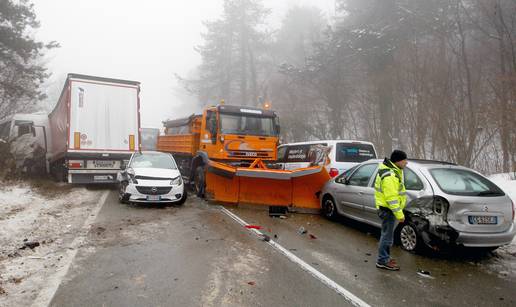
(259,185)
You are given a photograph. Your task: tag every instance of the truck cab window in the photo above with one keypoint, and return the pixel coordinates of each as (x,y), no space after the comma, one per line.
(24,129)
(211,122)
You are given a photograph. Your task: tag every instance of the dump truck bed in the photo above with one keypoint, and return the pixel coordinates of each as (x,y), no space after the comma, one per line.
(181,135)
(187,144)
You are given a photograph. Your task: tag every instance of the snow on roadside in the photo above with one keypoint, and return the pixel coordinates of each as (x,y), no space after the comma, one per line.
(47,213)
(507,182)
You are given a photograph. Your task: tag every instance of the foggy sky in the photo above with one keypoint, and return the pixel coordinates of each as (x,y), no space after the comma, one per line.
(146,41)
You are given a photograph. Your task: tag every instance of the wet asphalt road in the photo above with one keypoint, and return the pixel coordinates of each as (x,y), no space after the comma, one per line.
(196,255)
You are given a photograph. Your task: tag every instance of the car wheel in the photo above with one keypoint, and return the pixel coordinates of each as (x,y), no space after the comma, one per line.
(199,181)
(410,239)
(329,208)
(122,196)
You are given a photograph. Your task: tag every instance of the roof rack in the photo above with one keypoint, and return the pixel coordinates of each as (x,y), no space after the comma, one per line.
(425,161)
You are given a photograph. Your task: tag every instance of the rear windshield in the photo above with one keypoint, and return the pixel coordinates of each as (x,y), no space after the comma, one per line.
(296,153)
(346,152)
(464,182)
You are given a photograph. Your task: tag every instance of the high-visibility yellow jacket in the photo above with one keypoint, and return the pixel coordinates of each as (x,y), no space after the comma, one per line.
(390,189)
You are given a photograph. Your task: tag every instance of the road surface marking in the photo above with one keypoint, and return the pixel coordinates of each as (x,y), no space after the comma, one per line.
(350,297)
(46,295)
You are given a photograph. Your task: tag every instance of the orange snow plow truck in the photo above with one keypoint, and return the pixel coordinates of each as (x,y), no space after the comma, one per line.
(228,155)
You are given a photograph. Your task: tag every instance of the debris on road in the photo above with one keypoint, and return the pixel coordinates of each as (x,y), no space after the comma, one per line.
(312,236)
(14,255)
(252,283)
(2,291)
(424,274)
(265,238)
(30,245)
(35,257)
(277,211)
(302,230)
(253,227)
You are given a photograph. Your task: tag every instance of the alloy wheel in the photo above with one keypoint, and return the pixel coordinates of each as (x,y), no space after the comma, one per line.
(408,237)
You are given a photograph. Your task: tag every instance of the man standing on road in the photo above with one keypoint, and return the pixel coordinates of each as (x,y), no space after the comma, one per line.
(390,198)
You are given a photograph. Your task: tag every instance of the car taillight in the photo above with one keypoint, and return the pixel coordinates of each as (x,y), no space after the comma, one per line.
(333,172)
(75,164)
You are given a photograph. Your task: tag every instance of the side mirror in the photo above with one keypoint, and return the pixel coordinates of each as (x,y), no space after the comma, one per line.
(123,167)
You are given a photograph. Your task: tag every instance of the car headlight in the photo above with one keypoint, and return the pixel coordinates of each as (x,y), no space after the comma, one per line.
(176,181)
(132,174)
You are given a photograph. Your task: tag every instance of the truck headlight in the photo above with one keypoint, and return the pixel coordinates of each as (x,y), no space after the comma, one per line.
(176,181)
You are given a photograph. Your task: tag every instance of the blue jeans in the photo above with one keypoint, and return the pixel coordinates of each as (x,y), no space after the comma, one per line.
(387,237)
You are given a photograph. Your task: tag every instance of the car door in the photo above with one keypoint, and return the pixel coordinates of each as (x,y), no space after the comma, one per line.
(413,186)
(351,193)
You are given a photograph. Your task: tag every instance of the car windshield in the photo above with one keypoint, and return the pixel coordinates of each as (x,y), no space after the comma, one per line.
(464,182)
(153,161)
(247,124)
(349,152)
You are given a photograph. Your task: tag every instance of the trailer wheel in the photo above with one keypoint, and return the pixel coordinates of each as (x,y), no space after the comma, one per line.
(199,181)
(122,196)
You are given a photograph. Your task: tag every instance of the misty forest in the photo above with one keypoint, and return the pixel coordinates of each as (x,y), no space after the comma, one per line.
(436,78)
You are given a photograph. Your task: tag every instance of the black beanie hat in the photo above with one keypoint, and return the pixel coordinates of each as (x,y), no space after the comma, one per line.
(398,155)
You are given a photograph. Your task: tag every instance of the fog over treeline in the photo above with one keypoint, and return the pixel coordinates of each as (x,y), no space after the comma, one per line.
(436,78)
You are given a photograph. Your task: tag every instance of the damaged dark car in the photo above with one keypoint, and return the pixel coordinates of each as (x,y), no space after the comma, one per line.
(447,205)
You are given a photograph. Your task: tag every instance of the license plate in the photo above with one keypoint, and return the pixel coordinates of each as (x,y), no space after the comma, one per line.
(101,177)
(104,164)
(485,220)
(153,197)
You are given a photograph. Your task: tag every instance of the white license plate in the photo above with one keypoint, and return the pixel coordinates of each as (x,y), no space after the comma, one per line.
(153,197)
(104,164)
(101,177)
(485,220)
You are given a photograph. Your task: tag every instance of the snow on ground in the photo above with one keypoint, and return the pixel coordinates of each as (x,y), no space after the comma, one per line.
(507,182)
(43,213)
(506,262)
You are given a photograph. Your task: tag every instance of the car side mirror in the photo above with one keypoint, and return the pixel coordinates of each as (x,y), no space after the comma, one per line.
(123,167)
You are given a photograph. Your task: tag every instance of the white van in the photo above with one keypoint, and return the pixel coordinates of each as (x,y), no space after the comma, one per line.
(344,154)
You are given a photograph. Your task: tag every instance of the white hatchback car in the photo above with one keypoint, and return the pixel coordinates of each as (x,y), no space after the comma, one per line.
(151,177)
(344,154)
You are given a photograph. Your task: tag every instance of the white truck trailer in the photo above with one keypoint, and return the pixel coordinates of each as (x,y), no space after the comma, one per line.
(94,128)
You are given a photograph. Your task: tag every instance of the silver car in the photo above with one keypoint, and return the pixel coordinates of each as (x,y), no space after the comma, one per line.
(446,203)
